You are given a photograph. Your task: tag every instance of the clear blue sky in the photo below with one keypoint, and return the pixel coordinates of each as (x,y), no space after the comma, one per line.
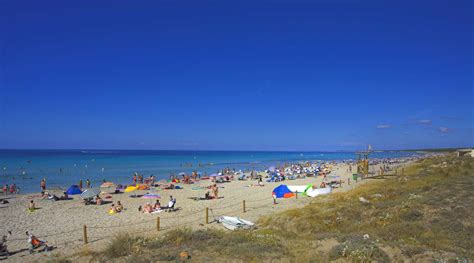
(240,75)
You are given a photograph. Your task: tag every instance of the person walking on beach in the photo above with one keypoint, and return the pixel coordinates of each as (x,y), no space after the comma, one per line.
(43,184)
(5,189)
(80,184)
(13,189)
(135,178)
(88,183)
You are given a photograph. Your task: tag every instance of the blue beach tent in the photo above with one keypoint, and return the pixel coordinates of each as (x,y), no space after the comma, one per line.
(74,190)
(282,191)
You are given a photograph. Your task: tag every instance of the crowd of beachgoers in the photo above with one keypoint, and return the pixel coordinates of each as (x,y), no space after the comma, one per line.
(54,210)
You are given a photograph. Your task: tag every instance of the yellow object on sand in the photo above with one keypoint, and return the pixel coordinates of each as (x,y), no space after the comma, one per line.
(130,189)
(111,212)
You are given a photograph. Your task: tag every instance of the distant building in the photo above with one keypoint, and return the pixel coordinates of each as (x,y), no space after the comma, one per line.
(464,152)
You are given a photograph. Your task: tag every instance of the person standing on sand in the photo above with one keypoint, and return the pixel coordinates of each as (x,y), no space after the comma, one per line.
(80,184)
(43,184)
(135,178)
(88,183)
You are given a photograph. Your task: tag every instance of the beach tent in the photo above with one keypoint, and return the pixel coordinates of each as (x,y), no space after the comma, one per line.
(74,190)
(282,191)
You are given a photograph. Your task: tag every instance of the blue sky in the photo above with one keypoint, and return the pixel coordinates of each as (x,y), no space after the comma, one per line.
(236,75)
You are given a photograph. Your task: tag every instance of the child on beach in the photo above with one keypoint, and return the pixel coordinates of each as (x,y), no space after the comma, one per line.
(112,209)
(43,184)
(31,206)
(119,207)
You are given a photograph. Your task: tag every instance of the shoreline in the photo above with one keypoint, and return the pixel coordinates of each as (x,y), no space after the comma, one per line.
(61,223)
(64,169)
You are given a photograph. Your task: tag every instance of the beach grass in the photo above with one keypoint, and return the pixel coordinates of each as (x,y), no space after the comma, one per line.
(426,213)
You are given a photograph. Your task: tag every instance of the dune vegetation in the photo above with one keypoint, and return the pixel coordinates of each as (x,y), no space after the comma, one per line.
(425,214)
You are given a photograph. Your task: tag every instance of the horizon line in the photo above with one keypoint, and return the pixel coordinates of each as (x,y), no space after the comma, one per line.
(207,150)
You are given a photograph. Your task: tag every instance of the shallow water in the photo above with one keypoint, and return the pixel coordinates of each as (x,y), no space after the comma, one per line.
(61,168)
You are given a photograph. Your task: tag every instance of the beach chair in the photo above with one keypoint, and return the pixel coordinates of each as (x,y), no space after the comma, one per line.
(36,243)
(170,208)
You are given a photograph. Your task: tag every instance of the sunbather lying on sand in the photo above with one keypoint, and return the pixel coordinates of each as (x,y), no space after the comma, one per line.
(167,186)
(148,208)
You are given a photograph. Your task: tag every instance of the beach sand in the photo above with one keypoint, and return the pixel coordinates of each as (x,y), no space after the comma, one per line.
(61,222)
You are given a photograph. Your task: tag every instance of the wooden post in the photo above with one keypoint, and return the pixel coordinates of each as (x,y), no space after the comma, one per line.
(158,224)
(207,215)
(243,205)
(85,234)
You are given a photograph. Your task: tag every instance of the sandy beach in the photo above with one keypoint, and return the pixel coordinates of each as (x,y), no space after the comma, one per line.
(61,223)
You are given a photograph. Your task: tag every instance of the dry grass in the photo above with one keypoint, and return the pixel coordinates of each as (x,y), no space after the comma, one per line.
(427,213)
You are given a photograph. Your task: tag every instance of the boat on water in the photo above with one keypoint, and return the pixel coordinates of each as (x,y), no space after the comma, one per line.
(233,223)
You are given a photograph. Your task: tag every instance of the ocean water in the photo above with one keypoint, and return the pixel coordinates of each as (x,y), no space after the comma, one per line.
(62,168)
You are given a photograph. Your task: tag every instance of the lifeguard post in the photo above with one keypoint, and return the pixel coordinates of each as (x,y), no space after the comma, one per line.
(363,162)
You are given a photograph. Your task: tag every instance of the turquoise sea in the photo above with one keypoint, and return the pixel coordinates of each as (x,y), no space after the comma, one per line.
(61,168)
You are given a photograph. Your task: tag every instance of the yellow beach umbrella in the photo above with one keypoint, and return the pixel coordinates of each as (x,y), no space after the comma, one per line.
(130,189)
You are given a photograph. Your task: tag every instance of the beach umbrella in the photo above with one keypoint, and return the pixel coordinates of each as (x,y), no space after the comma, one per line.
(272,168)
(151,196)
(182,173)
(130,188)
(90,193)
(213,175)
